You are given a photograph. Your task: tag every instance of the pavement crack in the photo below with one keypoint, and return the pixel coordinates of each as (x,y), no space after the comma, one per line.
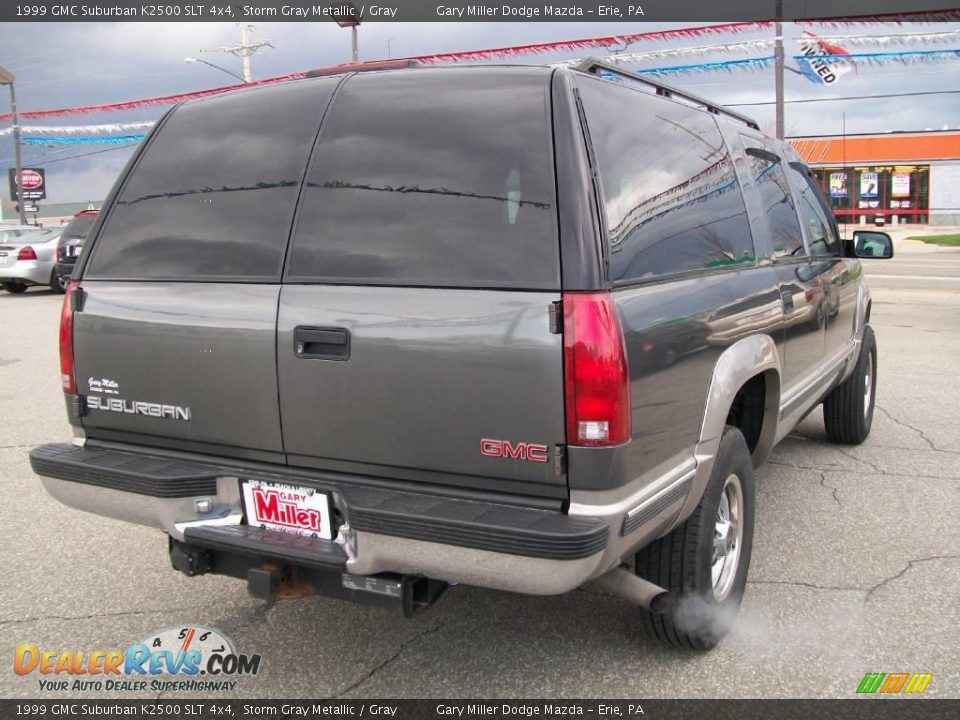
(910,564)
(917,430)
(128,613)
(815,586)
(396,654)
(867,591)
(834,490)
(258,612)
(846,453)
(879,470)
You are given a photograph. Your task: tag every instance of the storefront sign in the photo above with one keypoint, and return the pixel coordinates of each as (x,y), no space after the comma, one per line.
(838,185)
(901,184)
(868,185)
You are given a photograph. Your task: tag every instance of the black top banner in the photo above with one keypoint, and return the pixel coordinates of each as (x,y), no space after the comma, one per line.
(362,11)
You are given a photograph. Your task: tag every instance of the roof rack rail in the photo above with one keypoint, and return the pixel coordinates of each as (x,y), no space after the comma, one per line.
(596,67)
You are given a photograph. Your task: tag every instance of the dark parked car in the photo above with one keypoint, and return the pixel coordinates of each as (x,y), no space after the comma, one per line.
(71,245)
(524,328)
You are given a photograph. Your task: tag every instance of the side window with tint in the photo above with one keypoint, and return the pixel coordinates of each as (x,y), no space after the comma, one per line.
(814,213)
(672,200)
(780,213)
(213,195)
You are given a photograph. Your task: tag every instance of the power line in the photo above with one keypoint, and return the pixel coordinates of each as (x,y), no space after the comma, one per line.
(79,155)
(849,97)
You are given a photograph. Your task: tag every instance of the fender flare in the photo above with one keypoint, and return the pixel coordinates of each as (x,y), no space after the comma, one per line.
(737,365)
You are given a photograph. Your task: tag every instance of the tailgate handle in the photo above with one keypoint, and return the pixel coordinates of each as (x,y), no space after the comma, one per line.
(314,343)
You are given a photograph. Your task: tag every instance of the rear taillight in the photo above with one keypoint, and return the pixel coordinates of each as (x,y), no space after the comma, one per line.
(597,379)
(27,253)
(67,375)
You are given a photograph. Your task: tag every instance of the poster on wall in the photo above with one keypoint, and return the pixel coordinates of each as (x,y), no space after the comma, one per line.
(868,184)
(901,184)
(838,185)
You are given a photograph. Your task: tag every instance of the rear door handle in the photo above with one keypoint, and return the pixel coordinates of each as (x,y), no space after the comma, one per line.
(314,343)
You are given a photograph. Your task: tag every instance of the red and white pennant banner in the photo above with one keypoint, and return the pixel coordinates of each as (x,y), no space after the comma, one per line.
(608,42)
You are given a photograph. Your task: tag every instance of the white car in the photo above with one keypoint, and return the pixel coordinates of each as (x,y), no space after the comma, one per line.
(28,255)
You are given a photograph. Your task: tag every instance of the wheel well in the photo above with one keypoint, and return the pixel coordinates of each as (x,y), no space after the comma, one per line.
(748,409)
(866,317)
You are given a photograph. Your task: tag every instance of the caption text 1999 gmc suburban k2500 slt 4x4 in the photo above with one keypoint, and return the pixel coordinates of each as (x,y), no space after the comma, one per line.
(517,327)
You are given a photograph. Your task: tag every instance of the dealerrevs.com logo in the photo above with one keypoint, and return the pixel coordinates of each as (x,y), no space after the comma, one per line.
(191,659)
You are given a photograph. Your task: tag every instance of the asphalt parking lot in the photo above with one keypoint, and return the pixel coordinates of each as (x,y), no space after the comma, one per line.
(856,564)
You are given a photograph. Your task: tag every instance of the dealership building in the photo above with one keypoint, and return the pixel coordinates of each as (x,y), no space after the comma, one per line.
(888,179)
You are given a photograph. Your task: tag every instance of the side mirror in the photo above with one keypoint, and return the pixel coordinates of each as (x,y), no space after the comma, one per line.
(871,244)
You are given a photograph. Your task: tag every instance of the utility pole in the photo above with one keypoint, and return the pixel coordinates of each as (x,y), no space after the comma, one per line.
(345,14)
(245,50)
(778,65)
(7,78)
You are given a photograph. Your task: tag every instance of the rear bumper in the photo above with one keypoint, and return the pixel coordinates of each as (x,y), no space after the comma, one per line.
(31,272)
(382,529)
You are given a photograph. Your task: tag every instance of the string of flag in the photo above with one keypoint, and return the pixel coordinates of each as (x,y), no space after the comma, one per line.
(146,102)
(607,42)
(727,48)
(91,140)
(897,39)
(883,58)
(817,51)
(81,129)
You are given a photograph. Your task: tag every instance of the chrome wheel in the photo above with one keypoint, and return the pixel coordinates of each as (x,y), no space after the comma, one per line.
(727,538)
(867,388)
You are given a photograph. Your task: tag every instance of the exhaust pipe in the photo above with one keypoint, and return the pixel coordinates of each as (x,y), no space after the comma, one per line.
(628,586)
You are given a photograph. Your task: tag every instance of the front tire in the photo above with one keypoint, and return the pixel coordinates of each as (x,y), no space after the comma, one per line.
(704,562)
(848,409)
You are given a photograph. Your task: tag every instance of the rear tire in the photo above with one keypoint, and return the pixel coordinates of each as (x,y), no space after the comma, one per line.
(58,283)
(14,288)
(704,562)
(848,409)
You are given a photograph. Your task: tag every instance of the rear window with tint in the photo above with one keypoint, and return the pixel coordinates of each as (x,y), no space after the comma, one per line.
(433,178)
(79,226)
(213,196)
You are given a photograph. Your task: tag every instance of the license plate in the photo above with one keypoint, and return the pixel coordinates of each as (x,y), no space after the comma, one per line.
(74,250)
(287,508)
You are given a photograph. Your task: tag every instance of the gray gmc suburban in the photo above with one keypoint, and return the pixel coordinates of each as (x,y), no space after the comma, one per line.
(526,328)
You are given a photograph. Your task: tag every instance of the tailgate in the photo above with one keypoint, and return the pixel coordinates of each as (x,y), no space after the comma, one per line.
(444,382)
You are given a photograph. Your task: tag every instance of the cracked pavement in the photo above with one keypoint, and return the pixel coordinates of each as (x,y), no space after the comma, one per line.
(856,564)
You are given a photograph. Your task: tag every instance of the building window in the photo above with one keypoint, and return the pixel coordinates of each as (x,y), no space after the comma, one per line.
(888,194)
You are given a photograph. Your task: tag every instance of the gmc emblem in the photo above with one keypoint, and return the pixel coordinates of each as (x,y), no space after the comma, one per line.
(517,451)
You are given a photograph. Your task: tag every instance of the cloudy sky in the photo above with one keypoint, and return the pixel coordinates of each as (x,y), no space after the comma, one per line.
(73,64)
